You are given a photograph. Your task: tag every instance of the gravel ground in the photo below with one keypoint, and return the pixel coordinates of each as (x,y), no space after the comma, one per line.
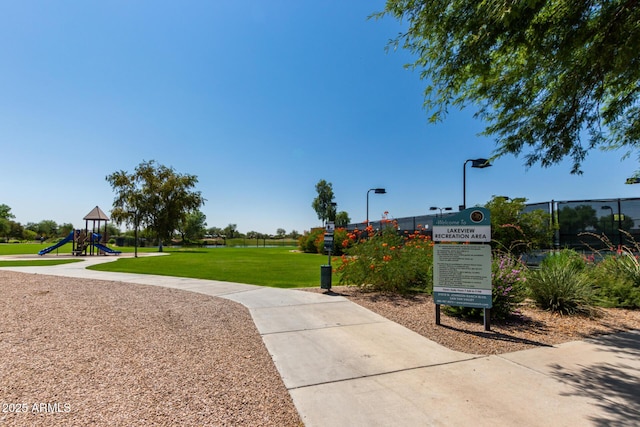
(533,328)
(77,352)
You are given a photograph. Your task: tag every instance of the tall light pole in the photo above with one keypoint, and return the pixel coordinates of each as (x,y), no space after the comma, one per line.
(375,191)
(433,208)
(475,163)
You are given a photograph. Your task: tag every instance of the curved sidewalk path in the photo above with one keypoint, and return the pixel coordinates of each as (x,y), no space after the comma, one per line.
(347,366)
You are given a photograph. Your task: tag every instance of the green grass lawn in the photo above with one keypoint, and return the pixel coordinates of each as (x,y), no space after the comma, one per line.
(34,248)
(28,248)
(267,266)
(36,262)
(276,267)
(253,243)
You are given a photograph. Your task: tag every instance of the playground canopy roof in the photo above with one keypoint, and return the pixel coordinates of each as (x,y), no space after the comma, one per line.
(96,214)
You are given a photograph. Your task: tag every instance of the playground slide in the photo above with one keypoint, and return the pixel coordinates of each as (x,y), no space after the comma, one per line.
(57,245)
(106,249)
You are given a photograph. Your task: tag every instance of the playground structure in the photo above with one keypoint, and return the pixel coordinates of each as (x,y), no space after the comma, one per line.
(85,242)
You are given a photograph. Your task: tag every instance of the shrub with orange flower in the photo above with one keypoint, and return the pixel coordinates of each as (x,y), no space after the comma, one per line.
(313,241)
(389,261)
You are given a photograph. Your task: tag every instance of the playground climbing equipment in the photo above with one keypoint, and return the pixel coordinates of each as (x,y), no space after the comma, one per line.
(87,242)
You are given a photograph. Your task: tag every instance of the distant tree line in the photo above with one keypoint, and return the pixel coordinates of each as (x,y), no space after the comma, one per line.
(12,230)
(231,232)
(163,206)
(193,229)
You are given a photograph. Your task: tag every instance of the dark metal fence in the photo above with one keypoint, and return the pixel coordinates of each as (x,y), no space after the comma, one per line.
(588,222)
(580,224)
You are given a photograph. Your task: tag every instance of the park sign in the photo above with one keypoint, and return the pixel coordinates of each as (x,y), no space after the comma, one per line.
(470,225)
(328,238)
(462,273)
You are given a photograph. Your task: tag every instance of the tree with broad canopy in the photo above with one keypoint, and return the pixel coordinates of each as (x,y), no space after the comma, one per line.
(554,77)
(154,196)
(323,204)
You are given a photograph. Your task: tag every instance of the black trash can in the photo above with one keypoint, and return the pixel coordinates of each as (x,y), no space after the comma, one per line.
(325,277)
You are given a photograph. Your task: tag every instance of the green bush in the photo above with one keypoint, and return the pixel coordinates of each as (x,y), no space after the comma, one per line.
(385,261)
(562,284)
(515,231)
(29,235)
(618,281)
(308,241)
(313,242)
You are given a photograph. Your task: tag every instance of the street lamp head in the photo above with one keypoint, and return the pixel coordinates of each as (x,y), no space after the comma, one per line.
(633,180)
(375,191)
(475,163)
(605,207)
(480,163)
(434,208)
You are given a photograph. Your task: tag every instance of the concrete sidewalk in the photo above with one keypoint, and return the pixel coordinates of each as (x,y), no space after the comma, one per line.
(347,366)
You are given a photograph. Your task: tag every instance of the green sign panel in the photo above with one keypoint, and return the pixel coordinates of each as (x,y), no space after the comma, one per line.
(470,225)
(462,275)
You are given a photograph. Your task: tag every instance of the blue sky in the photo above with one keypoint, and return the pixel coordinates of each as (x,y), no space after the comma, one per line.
(259,99)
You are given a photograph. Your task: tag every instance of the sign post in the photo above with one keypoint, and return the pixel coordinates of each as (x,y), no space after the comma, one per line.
(328,239)
(462,272)
(325,270)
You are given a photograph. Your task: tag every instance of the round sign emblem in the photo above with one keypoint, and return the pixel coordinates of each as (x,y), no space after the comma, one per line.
(477,216)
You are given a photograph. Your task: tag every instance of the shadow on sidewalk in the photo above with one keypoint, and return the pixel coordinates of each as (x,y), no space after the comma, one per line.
(497,336)
(614,386)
